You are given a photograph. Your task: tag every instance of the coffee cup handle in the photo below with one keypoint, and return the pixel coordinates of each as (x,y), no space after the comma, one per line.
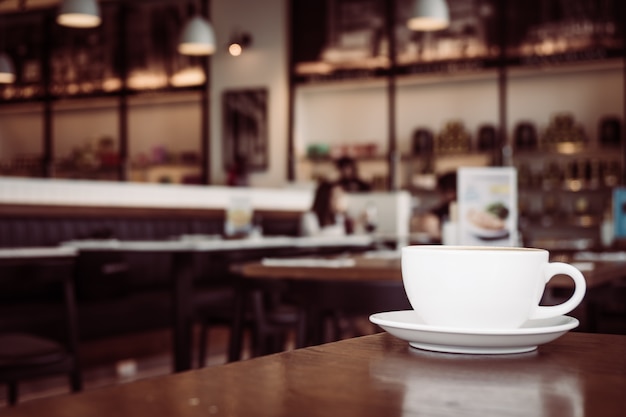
(556,268)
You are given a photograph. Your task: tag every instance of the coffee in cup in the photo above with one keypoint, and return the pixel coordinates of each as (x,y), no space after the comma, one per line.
(483,287)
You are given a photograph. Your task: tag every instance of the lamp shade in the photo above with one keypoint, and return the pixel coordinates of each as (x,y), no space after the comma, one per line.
(79,13)
(197,37)
(7,71)
(429,15)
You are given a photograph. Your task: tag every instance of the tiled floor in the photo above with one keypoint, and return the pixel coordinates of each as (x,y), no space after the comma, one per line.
(120,360)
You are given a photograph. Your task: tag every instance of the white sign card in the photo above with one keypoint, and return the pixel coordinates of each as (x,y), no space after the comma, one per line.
(487,204)
(238,217)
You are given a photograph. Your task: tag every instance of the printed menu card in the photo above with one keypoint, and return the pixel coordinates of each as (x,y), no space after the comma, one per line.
(487,206)
(238,217)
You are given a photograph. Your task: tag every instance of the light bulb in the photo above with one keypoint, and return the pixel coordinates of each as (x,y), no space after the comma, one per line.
(235,49)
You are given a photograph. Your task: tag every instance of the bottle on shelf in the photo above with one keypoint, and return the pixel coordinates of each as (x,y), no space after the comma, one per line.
(573,180)
(607,229)
(610,132)
(524,176)
(594,178)
(552,176)
(612,174)
(551,209)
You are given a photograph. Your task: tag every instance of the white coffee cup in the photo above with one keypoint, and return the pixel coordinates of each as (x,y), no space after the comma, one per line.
(483,287)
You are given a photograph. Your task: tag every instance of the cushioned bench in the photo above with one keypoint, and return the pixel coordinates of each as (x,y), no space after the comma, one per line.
(130,292)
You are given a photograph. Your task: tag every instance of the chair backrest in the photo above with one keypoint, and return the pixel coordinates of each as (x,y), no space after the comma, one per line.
(37,296)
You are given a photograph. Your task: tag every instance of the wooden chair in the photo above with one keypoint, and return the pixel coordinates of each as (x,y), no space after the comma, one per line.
(272,320)
(38,323)
(213,307)
(323,300)
(250,306)
(268,320)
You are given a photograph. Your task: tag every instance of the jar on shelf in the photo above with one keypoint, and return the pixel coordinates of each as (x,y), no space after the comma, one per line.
(487,138)
(453,139)
(423,142)
(525,136)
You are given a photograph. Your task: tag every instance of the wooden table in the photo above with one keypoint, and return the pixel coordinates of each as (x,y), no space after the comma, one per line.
(364,268)
(184,254)
(597,274)
(384,268)
(576,375)
(22,254)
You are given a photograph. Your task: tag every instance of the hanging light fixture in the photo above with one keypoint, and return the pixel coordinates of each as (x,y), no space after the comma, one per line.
(197,37)
(7,71)
(79,13)
(429,15)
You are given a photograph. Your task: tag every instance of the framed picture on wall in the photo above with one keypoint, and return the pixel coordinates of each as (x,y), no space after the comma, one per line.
(245,129)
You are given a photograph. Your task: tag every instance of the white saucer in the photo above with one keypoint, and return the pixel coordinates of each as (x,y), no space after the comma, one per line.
(406,325)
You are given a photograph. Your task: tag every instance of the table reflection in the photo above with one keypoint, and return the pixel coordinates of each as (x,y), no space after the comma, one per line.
(432,381)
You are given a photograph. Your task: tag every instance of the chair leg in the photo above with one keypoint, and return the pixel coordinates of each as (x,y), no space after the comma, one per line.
(253,339)
(76,381)
(257,341)
(333,327)
(267,345)
(203,344)
(280,340)
(12,392)
(259,338)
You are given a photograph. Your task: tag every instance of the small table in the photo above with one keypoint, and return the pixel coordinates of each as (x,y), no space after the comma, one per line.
(576,375)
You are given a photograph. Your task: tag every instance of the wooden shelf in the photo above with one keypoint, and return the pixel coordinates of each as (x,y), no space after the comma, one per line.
(171,173)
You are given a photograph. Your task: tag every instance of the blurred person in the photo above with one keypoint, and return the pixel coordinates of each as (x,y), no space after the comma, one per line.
(328,214)
(432,221)
(348,176)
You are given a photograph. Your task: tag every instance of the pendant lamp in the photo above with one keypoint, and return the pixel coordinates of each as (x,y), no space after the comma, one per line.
(429,15)
(7,71)
(79,13)
(197,37)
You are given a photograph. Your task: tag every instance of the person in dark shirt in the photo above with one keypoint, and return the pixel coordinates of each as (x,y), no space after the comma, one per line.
(446,185)
(348,176)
